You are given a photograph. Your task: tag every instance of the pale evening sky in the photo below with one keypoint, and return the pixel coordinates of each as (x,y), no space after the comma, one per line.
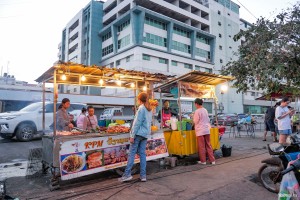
(31,30)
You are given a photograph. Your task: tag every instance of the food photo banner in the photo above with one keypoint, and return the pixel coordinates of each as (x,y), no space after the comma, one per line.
(88,156)
(196,90)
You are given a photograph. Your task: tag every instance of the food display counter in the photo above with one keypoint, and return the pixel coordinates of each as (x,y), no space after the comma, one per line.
(80,155)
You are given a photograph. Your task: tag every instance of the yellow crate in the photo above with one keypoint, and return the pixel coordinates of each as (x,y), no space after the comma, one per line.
(184,143)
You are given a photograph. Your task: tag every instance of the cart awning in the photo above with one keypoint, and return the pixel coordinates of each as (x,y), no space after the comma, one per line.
(93,74)
(196,77)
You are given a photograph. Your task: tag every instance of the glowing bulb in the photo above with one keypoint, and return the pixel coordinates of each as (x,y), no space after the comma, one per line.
(224,88)
(119,82)
(63,77)
(101,81)
(145,88)
(83,78)
(132,85)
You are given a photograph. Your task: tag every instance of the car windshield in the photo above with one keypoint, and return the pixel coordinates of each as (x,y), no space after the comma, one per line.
(106,112)
(32,107)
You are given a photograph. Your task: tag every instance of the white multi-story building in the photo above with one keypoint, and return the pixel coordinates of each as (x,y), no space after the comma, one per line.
(165,36)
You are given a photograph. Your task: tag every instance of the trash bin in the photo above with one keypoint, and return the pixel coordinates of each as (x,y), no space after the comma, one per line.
(226,150)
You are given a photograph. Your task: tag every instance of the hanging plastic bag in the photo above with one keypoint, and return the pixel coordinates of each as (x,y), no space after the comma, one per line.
(289,187)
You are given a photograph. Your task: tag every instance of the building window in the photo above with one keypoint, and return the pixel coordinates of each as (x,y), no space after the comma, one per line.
(221,61)
(174,63)
(106,36)
(219,12)
(128,59)
(163,61)
(146,57)
(202,39)
(204,69)
(118,62)
(197,67)
(107,50)
(75,89)
(202,53)
(220,35)
(155,23)
(181,47)
(124,41)
(154,39)
(188,66)
(123,26)
(181,32)
(219,23)
(220,47)
(253,94)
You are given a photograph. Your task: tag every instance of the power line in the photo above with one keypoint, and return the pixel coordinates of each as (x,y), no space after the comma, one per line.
(247,9)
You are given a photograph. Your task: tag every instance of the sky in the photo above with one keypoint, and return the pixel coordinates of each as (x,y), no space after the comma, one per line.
(30,30)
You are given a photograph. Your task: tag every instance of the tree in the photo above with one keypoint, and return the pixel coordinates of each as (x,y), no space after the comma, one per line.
(269,59)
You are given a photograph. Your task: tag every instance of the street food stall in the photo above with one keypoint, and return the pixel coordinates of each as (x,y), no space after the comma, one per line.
(182,141)
(76,153)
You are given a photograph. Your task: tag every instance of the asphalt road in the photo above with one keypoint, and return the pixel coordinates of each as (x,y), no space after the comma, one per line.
(14,151)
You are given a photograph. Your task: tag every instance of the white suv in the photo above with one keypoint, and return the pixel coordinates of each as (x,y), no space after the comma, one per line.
(27,122)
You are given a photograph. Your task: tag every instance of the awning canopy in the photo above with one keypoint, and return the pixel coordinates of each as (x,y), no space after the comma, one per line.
(195,77)
(73,73)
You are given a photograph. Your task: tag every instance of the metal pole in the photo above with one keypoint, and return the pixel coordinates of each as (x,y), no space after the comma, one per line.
(179,102)
(44,97)
(55,95)
(161,112)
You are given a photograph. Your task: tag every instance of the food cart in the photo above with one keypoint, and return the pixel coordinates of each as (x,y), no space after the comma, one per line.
(76,153)
(190,86)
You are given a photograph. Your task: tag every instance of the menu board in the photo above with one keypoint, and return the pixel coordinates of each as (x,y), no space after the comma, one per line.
(88,156)
(196,90)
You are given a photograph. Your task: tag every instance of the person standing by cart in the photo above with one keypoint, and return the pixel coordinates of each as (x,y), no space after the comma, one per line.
(202,130)
(63,119)
(90,122)
(269,123)
(166,113)
(81,118)
(283,115)
(141,128)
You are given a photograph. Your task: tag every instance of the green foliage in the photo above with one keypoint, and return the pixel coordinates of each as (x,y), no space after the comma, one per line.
(269,59)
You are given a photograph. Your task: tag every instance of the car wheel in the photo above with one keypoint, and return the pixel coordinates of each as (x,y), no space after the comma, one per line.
(25,132)
(4,136)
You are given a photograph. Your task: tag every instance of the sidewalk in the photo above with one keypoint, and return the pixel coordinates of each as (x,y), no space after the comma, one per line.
(231,178)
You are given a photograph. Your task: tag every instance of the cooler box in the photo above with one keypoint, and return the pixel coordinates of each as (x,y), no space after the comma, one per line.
(101,122)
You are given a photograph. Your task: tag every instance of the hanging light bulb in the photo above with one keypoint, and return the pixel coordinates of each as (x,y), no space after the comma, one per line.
(145,88)
(63,77)
(132,85)
(83,78)
(119,83)
(101,82)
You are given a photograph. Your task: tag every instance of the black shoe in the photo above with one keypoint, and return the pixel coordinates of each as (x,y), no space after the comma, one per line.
(264,140)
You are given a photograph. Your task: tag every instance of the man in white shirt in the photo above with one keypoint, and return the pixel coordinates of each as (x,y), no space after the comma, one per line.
(283,115)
